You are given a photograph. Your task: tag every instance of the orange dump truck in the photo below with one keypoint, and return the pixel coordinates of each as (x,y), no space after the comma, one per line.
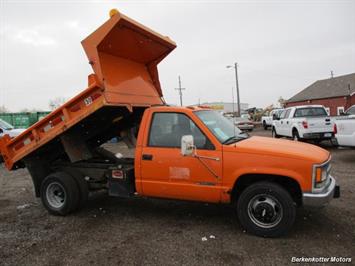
(187,153)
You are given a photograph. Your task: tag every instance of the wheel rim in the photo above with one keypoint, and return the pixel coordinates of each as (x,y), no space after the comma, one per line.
(265,211)
(56,195)
(295,138)
(273,133)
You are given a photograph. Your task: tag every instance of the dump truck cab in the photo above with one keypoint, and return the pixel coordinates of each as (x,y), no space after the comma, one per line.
(184,153)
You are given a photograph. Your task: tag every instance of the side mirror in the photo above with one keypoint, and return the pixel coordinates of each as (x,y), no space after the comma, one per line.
(274,117)
(187,145)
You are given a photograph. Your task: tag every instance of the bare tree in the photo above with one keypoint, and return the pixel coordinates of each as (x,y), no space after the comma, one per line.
(56,102)
(3,109)
(282,102)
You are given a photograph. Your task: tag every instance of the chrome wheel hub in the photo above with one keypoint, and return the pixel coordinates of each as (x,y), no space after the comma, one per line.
(56,196)
(265,211)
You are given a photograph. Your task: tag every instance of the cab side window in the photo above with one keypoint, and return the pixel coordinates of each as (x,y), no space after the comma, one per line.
(283,114)
(351,111)
(167,130)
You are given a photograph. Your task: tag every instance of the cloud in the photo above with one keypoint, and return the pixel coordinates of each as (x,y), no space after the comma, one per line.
(72,24)
(33,37)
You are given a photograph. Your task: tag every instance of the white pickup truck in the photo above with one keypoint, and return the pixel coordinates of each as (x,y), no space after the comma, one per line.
(267,120)
(308,122)
(344,128)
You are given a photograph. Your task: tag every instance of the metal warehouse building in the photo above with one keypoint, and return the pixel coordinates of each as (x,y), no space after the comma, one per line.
(226,107)
(336,94)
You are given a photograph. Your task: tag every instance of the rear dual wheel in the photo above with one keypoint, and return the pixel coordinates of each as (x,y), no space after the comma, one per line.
(61,193)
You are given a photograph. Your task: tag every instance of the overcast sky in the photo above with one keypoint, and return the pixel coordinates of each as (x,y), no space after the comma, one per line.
(280,46)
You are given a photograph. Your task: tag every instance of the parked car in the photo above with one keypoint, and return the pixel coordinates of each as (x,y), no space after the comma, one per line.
(267,120)
(308,122)
(350,112)
(246,116)
(344,128)
(244,124)
(6,128)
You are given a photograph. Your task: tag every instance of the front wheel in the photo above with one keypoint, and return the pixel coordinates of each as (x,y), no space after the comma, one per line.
(266,209)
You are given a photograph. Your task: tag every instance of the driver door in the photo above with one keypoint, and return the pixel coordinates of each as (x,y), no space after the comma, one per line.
(166,173)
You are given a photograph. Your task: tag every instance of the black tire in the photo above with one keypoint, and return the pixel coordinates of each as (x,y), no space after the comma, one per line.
(334,142)
(83,189)
(274,134)
(264,125)
(60,193)
(295,135)
(284,210)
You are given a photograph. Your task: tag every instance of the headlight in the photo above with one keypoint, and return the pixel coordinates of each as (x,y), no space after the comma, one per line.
(321,174)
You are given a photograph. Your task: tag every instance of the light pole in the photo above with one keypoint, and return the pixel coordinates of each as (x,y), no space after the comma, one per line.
(237,85)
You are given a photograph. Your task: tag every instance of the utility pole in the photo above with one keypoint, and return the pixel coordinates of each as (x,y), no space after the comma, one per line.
(180,91)
(237,87)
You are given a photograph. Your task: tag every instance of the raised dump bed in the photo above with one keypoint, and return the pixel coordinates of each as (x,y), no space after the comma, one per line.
(124,56)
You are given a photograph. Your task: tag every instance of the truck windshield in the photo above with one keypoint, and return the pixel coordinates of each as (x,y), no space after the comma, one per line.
(5,125)
(310,111)
(222,128)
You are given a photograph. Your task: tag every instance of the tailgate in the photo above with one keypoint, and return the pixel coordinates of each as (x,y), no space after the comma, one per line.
(346,126)
(124,55)
(320,124)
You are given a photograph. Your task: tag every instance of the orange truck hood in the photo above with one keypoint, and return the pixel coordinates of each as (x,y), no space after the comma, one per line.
(124,55)
(282,148)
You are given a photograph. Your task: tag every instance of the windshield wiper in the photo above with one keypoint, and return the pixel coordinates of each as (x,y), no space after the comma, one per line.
(237,138)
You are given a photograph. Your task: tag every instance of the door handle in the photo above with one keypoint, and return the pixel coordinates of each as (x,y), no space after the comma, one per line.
(147,157)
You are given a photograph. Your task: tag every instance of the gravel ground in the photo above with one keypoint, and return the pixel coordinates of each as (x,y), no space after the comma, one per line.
(112,231)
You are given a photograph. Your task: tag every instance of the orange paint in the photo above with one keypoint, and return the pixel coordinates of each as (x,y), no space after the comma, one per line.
(256,155)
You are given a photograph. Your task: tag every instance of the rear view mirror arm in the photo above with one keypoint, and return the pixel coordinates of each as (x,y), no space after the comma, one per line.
(204,164)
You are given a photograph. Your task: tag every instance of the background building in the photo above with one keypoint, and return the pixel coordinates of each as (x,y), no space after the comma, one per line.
(336,94)
(226,107)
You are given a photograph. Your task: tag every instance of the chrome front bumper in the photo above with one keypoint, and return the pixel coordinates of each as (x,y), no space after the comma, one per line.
(330,191)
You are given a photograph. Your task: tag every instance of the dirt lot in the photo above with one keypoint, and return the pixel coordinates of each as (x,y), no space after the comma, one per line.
(111,231)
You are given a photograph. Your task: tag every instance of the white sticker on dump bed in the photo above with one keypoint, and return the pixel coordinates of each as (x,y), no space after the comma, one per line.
(179,173)
(88,101)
